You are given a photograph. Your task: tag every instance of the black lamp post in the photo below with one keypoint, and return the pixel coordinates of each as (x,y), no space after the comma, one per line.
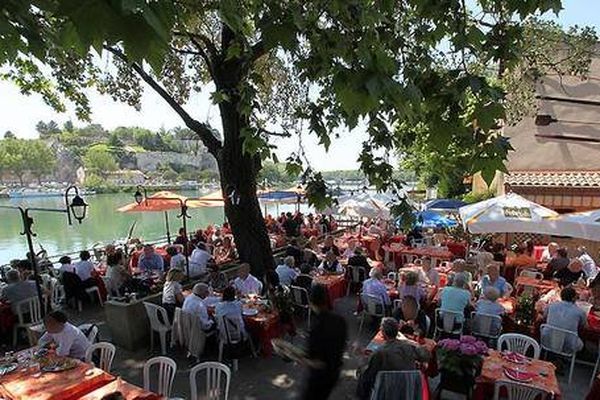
(77,209)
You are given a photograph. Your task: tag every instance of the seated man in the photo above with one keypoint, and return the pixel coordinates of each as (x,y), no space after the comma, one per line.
(394,355)
(375,287)
(286,272)
(246,283)
(349,252)
(229,308)
(199,260)
(294,250)
(571,274)
(412,319)
(456,298)
(489,305)
(565,315)
(329,245)
(304,280)
(358,259)
(331,264)
(69,340)
(150,261)
(589,265)
(194,304)
(17,290)
(216,279)
(494,279)
(560,260)
(550,252)
(84,269)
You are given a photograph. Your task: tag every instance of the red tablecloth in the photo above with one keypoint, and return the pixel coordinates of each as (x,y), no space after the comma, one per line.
(493,370)
(7,319)
(592,331)
(335,285)
(67,385)
(264,327)
(430,369)
(128,390)
(542,286)
(594,393)
(458,250)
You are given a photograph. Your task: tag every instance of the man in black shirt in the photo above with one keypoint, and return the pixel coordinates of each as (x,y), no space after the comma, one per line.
(290,226)
(326,345)
(358,260)
(295,251)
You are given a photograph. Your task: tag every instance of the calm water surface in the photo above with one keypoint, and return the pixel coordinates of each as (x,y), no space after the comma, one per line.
(102,225)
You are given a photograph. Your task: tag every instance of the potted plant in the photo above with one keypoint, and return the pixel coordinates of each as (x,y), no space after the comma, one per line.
(460,362)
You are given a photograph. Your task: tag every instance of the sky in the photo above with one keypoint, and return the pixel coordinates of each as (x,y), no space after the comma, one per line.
(20,113)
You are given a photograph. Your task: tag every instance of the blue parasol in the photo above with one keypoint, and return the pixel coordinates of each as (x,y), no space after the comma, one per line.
(444,204)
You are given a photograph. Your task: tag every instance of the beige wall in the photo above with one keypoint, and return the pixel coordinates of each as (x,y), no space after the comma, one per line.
(534,153)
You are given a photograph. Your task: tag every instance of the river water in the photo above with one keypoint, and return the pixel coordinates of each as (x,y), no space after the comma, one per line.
(103,224)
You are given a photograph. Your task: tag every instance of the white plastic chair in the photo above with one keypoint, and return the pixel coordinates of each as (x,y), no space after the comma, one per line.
(92,333)
(166,374)
(107,354)
(396,304)
(554,340)
(110,289)
(214,389)
(156,325)
(31,307)
(57,296)
(357,276)
(232,333)
(393,276)
(519,391)
(482,325)
(188,332)
(407,258)
(300,299)
(518,343)
(373,306)
(449,321)
(92,292)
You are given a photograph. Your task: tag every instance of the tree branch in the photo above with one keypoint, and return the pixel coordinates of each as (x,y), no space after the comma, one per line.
(211,49)
(271,133)
(257,50)
(203,130)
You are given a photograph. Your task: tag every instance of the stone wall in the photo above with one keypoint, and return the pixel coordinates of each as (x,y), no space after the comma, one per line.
(150,160)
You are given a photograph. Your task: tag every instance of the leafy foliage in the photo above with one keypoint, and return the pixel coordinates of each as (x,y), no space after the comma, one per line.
(20,156)
(99,161)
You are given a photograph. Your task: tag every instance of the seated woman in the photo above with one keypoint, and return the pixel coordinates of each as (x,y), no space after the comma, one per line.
(68,339)
(349,252)
(411,287)
(116,272)
(226,251)
(456,298)
(412,319)
(557,262)
(229,308)
(489,305)
(331,264)
(565,314)
(329,245)
(176,259)
(494,279)
(172,295)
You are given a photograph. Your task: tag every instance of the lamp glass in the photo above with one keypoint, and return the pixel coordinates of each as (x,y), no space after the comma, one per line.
(139,197)
(78,208)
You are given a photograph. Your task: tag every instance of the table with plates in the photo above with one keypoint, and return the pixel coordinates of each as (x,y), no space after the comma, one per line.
(335,284)
(24,384)
(542,286)
(264,327)
(543,375)
(430,369)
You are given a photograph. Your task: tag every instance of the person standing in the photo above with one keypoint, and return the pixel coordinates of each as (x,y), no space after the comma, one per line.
(326,344)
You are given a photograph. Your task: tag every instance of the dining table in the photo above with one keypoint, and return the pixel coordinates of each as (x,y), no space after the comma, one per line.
(335,284)
(27,384)
(128,390)
(495,365)
(542,286)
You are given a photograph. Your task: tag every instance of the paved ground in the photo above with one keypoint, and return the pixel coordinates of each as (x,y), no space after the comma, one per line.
(272,378)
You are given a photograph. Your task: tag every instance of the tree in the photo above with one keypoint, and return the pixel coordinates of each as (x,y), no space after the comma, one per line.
(99,161)
(15,161)
(9,135)
(383,64)
(41,159)
(47,129)
(68,126)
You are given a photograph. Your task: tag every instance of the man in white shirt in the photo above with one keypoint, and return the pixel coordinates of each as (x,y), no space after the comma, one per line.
(375,287)
(198,260)
(589,265)
(194,304)
(245,283)
(549,252)
(286,272)
(69,340)
(431,273)
(84,269)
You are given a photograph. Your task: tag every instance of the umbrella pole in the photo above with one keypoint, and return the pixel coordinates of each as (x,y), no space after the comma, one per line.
(167,226)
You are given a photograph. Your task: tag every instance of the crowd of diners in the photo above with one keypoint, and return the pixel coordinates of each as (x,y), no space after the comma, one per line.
(478,286)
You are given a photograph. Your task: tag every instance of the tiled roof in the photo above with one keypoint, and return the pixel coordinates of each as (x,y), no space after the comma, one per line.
(554,178)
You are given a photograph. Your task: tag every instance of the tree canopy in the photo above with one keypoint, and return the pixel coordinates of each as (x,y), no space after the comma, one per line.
(284,69)
(19,157)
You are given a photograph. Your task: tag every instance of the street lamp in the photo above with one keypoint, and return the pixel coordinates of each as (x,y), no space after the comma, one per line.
(76,209)
(139,196)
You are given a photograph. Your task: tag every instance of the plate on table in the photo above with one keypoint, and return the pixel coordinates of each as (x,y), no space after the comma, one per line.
(519,376)
(249,312)
(7,368)
(514,358)
(58,365)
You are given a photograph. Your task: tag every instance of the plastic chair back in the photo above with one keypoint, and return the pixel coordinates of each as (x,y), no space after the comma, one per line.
(373,305)
(532,274)
(216,386)
(483,325)
(31,307)
(153,311)
(518,343)
(518,391)
(449,320)
(107,354)
(357,273)
(231,330)
(555,340)
(399,385)
(299,296)
(188,332)
(166,374)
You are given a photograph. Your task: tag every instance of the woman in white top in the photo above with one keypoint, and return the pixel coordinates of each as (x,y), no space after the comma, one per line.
(172,296)
(69,340)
